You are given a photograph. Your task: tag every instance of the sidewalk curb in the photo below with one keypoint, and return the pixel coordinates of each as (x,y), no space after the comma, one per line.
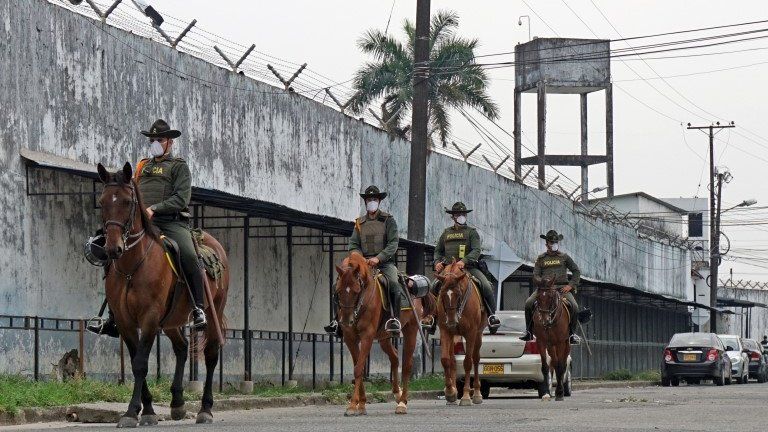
(98,413)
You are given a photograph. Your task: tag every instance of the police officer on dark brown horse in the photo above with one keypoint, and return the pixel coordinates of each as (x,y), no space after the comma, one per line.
(166,186)
(462,243)
(556,264)
(375,237)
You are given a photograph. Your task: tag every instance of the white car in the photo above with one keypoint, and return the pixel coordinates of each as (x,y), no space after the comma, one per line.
(738,355)
(506,361)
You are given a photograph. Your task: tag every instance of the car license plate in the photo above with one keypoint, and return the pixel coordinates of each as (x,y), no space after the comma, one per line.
(493,369)
(690,357)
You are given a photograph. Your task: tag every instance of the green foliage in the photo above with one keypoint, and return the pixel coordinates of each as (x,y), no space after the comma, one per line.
(455,80)
(626,375)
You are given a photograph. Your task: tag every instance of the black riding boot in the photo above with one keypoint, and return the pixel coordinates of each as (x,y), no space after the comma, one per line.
(490,307)
(107,327)
(573,338)
(392,325)
(197,286)
(333,328)
(528,336)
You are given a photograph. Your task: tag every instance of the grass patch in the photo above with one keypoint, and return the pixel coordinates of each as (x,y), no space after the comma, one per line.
(18,392)
(626,375)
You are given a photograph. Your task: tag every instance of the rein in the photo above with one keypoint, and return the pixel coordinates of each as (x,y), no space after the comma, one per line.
(463,301)
(555,311)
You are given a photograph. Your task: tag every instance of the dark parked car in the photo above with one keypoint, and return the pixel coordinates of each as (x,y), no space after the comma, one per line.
(693,357)
(758,368)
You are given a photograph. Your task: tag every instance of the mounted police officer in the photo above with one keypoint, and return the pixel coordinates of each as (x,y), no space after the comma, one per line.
(375,237)
(554,263)
(462,243)
(166,188)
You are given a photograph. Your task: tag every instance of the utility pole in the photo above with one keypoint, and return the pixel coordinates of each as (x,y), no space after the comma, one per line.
(714,219)
(418,175)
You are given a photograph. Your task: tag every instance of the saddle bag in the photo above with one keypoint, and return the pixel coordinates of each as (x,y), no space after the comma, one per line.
(418,285)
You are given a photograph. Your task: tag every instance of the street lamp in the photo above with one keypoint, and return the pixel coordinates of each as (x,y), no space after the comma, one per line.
(520,22)
(745,203)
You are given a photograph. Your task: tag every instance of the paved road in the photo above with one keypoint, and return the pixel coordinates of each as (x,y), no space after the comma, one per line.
(685,408)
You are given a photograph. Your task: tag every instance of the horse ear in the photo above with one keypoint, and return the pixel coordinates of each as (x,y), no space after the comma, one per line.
(127,172)
(103,173)
(339,270)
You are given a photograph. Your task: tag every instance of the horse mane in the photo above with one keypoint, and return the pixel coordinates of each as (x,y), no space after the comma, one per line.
(359,263)
(149,228)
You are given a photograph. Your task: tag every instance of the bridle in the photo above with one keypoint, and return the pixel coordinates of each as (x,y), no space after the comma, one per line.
(462,302)
(554,312)
(358,303)
(125,228)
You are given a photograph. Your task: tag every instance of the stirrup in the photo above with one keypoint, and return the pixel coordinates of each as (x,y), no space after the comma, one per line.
(494,324)
(528,336)
(431,326)
(397,328)
(98,325)
(332,328)
(203,323)
(574,339)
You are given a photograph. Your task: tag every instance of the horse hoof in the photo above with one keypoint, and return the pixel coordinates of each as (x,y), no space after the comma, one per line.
(559,399)
(148,420)
(477,400)
(178,413)
(546,398)
(127,422)
(453,402)
(362,412)
(401,408)
(351,413)
(465,402)
(450,398)
(204,418)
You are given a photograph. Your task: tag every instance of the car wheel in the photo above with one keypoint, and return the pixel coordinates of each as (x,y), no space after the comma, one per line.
(485,389)
(761,377)
(567,384)
(675,382)
(728,380)
(719,381)
(665,382)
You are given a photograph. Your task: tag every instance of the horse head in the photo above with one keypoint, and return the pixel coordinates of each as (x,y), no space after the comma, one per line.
(548,299)
(354,276)
(120,207)
(454,285)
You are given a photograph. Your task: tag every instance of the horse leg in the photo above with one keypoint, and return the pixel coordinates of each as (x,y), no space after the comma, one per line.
(409,346)
(211,352)
(365,350)
(386,345)
(139,351)
(544,372)
(447,360)
(469,349)
(148,416)
(180,350)
(477,397)
(353,345)
(559,361)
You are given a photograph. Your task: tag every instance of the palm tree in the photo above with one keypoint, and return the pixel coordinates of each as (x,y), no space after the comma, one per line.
(455,81)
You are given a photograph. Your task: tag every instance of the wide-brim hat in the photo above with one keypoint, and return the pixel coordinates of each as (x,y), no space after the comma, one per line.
(458,208)
(373,192)
(552,236)
(160,129)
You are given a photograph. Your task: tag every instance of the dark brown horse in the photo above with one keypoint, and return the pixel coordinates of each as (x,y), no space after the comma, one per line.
(361,317)
(550,326)
(140,287)
(460,313)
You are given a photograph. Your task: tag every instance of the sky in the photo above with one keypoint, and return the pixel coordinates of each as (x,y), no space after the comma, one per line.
(654,152)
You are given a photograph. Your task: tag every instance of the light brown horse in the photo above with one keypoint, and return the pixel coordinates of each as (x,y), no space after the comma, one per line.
(140,287)
(550,326)
(362,317)
(460,313)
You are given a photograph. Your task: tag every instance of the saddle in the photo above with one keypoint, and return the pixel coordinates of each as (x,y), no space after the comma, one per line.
(206,255)
(383,286)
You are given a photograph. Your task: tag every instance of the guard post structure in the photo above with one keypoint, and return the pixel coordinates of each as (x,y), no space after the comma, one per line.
(563,66)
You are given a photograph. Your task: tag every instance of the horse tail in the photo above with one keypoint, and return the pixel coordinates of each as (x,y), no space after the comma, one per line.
(429,303)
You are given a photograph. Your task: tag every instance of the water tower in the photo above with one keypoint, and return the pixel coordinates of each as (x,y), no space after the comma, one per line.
(564,66)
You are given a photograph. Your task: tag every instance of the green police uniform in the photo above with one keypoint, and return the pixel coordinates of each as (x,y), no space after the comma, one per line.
(556,264)
(376,236)
(462,243)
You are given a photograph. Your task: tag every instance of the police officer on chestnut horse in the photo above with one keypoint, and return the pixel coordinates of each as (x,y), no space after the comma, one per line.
(462,243)
(375,237)
(166,186)
(554,263)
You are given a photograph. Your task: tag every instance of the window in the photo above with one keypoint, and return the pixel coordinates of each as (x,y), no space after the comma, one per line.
(695,225)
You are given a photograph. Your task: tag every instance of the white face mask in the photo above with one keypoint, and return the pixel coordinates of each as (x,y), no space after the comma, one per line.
(461,220)
(555,247)
(372,206)
(156,149)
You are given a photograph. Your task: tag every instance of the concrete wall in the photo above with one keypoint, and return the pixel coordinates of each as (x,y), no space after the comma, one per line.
(737,324)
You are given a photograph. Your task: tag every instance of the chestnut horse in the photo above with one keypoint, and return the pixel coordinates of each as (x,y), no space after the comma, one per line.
(362,317)
(550,326)
(140,286)
(460,312)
